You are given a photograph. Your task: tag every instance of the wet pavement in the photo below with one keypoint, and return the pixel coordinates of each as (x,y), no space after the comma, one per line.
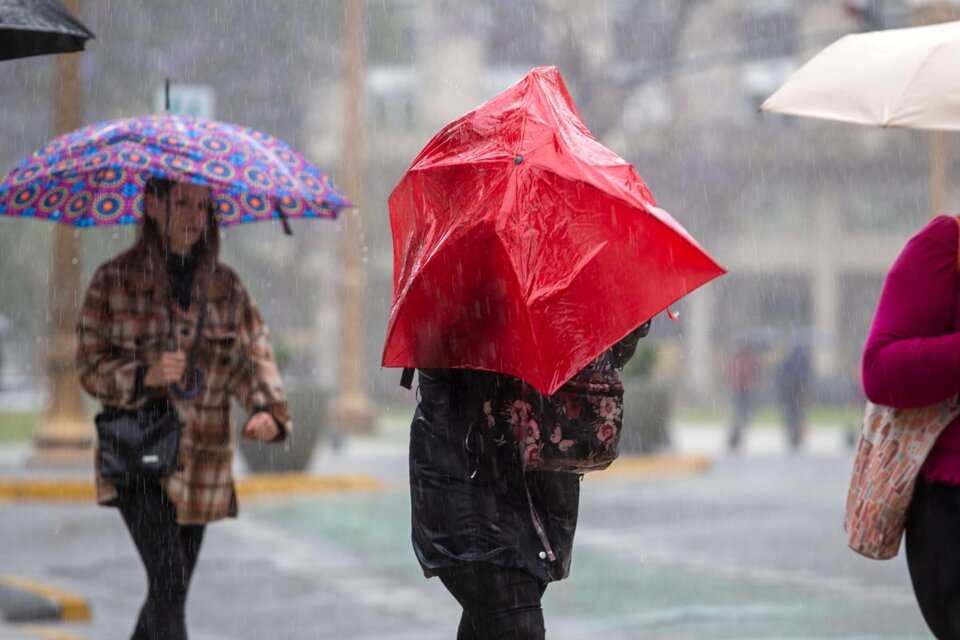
(752,548)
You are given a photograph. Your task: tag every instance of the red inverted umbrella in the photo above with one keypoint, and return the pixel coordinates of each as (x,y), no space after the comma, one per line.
(524,246)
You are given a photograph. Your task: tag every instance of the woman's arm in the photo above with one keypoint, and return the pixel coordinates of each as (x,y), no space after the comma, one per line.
(256,382)
(624,350)
(107,372)
(912,354)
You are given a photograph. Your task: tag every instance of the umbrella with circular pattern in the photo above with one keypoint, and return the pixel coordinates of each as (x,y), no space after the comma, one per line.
(95,176)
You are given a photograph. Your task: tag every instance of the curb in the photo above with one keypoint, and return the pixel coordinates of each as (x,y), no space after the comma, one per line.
(252,486)
(650,466)
(33,632)
(47,489)
(257,486)
(25,600)
(270,485)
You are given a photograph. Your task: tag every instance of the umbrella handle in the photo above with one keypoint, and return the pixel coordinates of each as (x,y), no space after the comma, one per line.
(195,374)
(194,390)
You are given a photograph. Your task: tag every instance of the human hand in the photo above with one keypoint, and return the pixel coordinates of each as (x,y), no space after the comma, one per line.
(261,427)
(169,370)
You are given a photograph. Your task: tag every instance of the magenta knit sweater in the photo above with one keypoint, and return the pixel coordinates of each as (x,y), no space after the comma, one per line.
(912,355)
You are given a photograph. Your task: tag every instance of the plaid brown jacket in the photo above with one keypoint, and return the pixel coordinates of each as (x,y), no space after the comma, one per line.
(124,323)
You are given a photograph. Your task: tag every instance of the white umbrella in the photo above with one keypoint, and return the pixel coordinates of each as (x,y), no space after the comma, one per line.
(906,78)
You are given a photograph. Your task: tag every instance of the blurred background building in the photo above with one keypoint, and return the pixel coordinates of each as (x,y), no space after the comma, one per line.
(806,215)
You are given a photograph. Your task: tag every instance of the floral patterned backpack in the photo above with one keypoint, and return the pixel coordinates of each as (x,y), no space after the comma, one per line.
(575,430)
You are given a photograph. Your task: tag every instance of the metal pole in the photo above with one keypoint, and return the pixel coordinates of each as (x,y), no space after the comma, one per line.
(938,173)
(65,436)
(353,409)
(924,13)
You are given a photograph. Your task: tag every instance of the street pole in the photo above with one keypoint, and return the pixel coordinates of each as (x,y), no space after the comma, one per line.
(353,409)
(65,436)
(939,169)
(925,13)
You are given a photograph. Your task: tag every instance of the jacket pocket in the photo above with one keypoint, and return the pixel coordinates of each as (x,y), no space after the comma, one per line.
(137,333)
(221,347)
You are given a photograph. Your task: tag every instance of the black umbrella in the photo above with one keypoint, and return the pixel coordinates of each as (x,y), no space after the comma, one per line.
(37,27)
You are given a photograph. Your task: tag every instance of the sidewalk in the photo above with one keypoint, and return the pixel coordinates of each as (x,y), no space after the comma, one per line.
(53,530)
(710,439)
(658,557)
(368,463)
(35,632)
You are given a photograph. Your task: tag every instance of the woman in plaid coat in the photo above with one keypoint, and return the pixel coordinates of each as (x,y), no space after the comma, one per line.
(123,362)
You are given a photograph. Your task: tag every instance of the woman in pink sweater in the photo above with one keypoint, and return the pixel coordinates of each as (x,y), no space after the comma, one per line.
(912,359)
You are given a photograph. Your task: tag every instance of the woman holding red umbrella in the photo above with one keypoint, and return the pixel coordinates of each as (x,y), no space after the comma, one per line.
(494,533)
(528,259)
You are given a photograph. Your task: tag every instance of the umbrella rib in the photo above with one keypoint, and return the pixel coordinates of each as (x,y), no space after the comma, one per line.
(912,81)
(526,310)
(459,162)
(40,29)
(505,251)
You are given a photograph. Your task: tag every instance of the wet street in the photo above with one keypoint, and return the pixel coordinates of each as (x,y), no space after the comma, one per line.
(751,548)
(280,210)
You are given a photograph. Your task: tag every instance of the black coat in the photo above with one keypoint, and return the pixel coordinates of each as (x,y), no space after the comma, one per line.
(468,496)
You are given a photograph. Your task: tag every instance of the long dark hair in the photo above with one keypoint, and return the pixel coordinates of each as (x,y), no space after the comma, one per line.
(207,248)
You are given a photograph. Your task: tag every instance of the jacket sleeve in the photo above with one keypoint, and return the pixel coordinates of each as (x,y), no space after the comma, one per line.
(912,355)
(106,371)
(256,381)
(623,351)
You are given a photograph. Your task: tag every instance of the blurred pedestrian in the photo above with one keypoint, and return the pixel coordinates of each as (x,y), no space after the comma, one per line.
(911,361)
(170,290)
(495,533)
(743,375)
(792,385)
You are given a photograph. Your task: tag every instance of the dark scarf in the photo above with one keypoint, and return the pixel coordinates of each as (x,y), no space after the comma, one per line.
(181,271)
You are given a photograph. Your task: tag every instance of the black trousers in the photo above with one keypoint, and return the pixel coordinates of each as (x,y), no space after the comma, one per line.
(169,554)
(498,603)
(933,556)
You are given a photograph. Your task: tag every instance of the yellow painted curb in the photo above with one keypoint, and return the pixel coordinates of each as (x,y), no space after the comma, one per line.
(252,486)
(653,466)
(73,608)
(268,485)
(46,489)
(280,484)
(47,633)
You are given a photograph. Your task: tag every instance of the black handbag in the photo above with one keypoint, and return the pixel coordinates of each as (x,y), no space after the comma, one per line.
(138,444)
(145,442)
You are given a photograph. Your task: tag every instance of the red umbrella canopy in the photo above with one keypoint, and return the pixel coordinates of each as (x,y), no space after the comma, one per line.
(524,246)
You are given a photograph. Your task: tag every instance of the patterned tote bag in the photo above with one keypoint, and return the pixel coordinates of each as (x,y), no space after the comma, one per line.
(893,446)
